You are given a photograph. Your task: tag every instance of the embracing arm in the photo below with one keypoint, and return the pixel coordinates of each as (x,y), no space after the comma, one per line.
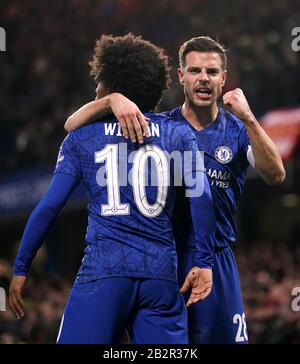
(126,112)
(38,225)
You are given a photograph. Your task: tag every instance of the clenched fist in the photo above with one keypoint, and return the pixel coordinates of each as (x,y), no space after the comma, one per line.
(236,102)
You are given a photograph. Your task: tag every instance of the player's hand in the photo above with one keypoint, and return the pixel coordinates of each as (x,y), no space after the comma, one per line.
(236,102)
(132,121)
(200,280)
(15,296)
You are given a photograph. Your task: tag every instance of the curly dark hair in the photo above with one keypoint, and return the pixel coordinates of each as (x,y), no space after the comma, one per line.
(132,66)
(202,44)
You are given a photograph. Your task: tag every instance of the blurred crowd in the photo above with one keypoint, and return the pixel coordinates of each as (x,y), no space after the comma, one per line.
(44,72)
(44,298)
(268,275)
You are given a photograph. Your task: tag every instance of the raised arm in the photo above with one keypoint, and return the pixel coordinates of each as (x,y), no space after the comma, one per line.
(266,156)
(132,121)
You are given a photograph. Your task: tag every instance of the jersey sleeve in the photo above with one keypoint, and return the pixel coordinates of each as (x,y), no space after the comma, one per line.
(42,219)
(67,160)
(201,204)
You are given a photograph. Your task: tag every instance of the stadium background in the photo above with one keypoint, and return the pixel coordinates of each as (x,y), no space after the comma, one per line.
(44,78)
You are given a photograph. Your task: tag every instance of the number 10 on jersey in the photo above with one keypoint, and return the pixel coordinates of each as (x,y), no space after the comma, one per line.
(114,207)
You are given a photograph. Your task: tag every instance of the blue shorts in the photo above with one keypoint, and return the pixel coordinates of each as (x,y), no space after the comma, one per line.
(98,312)
(220,318)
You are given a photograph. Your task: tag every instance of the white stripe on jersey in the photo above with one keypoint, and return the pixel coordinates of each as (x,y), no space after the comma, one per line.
(250,156)
(60,328)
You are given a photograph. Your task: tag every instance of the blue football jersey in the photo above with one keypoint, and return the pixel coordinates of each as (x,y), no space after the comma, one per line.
(225,144)
(129,230)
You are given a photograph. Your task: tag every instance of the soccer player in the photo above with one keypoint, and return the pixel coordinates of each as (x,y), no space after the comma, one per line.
(231,139)
(128,275)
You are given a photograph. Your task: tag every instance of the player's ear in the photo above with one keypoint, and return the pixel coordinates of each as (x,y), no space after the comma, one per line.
(180,75)
(224,77)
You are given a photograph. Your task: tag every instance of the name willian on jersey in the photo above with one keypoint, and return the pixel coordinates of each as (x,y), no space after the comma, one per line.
(115,129)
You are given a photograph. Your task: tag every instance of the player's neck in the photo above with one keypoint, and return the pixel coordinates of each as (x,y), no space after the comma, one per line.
(199,117)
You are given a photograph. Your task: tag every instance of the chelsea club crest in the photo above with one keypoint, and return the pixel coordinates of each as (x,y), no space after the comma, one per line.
(224,155)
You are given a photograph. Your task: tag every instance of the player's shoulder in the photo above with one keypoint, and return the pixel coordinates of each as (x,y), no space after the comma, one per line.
(176,134)
(169,120)
(84,131)
(158,117)
(179,122)
(174,113)
(92,130)
(169,125)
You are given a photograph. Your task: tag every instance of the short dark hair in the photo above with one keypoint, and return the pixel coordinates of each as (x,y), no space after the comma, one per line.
(202,44)
(132,66)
